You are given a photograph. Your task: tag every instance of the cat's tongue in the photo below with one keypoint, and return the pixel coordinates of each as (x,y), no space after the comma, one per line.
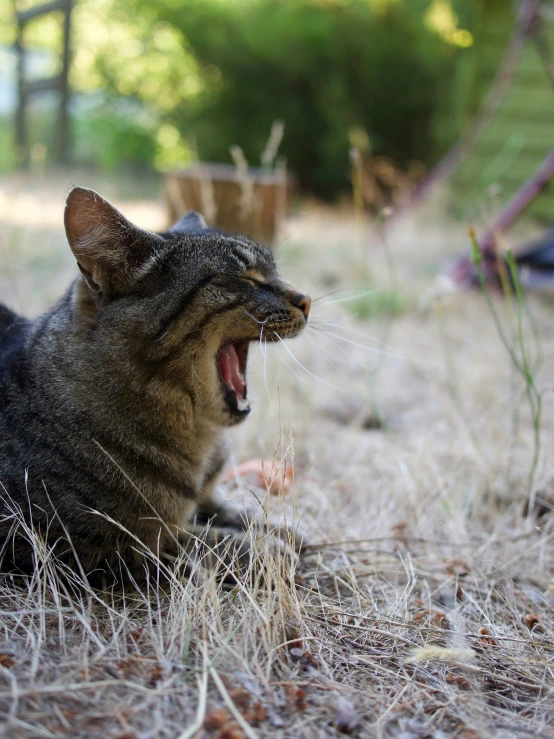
(230,370)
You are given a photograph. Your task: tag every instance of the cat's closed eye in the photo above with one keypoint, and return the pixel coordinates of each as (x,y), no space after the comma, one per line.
(256,283)
(254,278)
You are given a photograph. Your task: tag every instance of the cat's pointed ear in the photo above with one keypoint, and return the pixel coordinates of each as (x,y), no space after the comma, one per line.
(191,223)
(109,249)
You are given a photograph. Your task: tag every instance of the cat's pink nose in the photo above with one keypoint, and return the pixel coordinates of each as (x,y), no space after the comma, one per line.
(304,304)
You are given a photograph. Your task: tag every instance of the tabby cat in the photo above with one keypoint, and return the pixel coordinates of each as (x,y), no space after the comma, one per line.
(113,403)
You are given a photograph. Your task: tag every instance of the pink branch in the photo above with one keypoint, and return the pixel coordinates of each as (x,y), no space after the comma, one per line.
(463,271)
(441,172)
(520,201)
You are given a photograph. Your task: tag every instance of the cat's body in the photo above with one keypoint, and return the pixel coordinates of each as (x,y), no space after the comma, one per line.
(112,404)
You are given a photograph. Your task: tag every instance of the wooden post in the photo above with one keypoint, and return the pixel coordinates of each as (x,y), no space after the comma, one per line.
(20,119)
(63,122)
(59,83)
(252,201)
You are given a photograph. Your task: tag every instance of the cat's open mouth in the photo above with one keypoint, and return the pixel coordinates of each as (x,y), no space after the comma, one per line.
(232,366)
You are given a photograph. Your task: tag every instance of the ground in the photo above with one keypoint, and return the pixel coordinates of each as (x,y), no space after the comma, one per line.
(422,603)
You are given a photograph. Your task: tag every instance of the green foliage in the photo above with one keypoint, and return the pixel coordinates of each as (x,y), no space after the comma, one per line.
(7,149)
(322,67)
(386,302)
(139,68)
(213,73)
(111,135)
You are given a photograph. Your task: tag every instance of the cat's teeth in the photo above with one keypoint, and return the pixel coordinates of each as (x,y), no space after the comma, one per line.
(242,405)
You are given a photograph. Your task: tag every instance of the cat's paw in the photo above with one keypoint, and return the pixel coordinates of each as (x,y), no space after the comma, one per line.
(249,519)
(227,515)
(233,553)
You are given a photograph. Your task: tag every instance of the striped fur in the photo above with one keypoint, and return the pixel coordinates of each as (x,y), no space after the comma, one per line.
(112,407)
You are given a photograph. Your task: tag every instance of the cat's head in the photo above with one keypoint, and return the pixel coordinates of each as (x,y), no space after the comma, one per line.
(179,308)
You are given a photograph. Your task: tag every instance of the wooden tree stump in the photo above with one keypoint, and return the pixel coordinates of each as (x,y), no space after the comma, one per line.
(251,201)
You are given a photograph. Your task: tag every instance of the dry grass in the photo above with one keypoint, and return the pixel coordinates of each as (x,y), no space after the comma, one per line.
(422,606)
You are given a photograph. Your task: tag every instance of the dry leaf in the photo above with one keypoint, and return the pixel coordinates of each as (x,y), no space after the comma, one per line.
(230,731)
(217,718)
(531,619)
(273,476)
(6,661)
(296,697)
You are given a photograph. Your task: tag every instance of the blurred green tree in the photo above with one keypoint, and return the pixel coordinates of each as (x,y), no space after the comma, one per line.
(184,78)
(219,72)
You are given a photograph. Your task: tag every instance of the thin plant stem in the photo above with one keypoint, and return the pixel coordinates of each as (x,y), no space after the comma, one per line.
(521,363)
(387,327)
(452,382)
(534,396)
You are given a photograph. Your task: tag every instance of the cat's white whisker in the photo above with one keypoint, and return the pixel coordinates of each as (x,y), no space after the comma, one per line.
(319,379)
(335,292)
(376,350)
(161,338)
(335,355)
(353,297)
(287,365)
(323,319)
(324,324)
(330,356)
(260,323)
(195,374)
(264,352)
